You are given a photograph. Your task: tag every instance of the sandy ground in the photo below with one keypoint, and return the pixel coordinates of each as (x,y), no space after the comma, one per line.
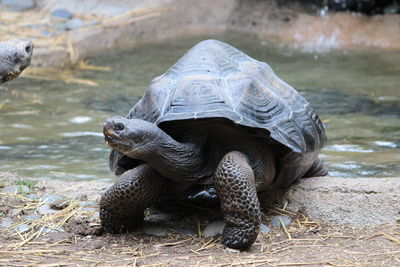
(304,243)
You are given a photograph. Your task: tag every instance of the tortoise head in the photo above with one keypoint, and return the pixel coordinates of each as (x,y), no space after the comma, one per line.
(133,137)
(15,56)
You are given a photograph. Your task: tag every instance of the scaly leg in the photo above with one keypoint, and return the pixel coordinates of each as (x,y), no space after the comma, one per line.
(235,184)
(123,204)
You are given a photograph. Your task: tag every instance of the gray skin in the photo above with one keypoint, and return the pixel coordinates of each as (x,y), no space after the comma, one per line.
(15,56)
(217,118)
(237,169)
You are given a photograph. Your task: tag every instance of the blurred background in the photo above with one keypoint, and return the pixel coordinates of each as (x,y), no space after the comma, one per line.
(94,59)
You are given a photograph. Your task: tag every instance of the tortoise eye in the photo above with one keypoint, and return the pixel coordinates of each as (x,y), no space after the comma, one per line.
(119,126)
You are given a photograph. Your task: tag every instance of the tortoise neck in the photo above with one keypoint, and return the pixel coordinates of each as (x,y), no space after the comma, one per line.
(173,159)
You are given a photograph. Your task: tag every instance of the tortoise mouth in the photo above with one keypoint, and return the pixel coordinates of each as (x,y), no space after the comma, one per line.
(115,141)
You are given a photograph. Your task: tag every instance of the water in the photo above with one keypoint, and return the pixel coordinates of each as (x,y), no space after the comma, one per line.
(52,129)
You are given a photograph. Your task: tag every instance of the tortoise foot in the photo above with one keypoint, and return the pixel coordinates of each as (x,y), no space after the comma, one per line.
(239,238)
(113,224)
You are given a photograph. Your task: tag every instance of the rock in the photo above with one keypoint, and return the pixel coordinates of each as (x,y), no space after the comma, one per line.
(22,228)
(213,229)
(52,198)
(32,196)
(358,202)
(94,218)
(264,229)
(89,210)
(16,189)
(74,24)
(277,221)
(45,209)
(33,217)
(159,217)
(46,230)
(62,13)
(6,222)
(15,212)
(19,5)
(88,203)
(155,230)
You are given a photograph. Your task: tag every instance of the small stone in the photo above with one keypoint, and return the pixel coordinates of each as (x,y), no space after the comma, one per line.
(213,229)
(62,13)
(16,189)
(94,218)
(46,230)
(232,250)
(264,229)
(159,217)
(155,230)
(276,221)
(19,5)
(6,222)
(33,217)
(73,24)
(88,203)
(22,228)
(45,209)
(52,198)
(89,210)
(32,196)
(15,212)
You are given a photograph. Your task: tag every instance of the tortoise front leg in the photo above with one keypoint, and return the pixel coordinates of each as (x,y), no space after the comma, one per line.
(235,184)
(123,204)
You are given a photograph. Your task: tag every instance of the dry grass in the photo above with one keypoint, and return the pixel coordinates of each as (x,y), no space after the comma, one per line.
(303,243)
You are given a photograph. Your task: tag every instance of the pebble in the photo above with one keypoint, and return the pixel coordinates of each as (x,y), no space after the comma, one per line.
(276,221)
(6,222)
(45,209)
(89,210)
(213,229)
(73,24)
(16,189)
(52,198)
(32,196)
(264,229)
(62,13)
(94,218)
(15,212)
(88,203)
(22,228)
(155,230)
(33,217)
(19,5)
(46,230)
(159,217)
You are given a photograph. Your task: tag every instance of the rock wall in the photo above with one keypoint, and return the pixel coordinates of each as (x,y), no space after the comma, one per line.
(99,25)
(358,202)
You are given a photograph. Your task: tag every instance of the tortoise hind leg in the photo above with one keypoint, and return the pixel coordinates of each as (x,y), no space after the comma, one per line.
(235,184)
(317,169)
(123,204)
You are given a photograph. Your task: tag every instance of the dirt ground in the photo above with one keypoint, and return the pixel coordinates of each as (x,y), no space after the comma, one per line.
(303,243)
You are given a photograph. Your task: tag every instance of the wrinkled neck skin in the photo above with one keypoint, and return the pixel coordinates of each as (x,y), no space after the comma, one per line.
(172,159)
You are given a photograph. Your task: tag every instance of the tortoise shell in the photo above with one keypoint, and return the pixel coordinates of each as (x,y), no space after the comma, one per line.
(216,80)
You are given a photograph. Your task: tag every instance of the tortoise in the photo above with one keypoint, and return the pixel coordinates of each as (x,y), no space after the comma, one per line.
(217,117)
(15,56)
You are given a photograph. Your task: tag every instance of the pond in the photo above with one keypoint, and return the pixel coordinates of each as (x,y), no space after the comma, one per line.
(51,123)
